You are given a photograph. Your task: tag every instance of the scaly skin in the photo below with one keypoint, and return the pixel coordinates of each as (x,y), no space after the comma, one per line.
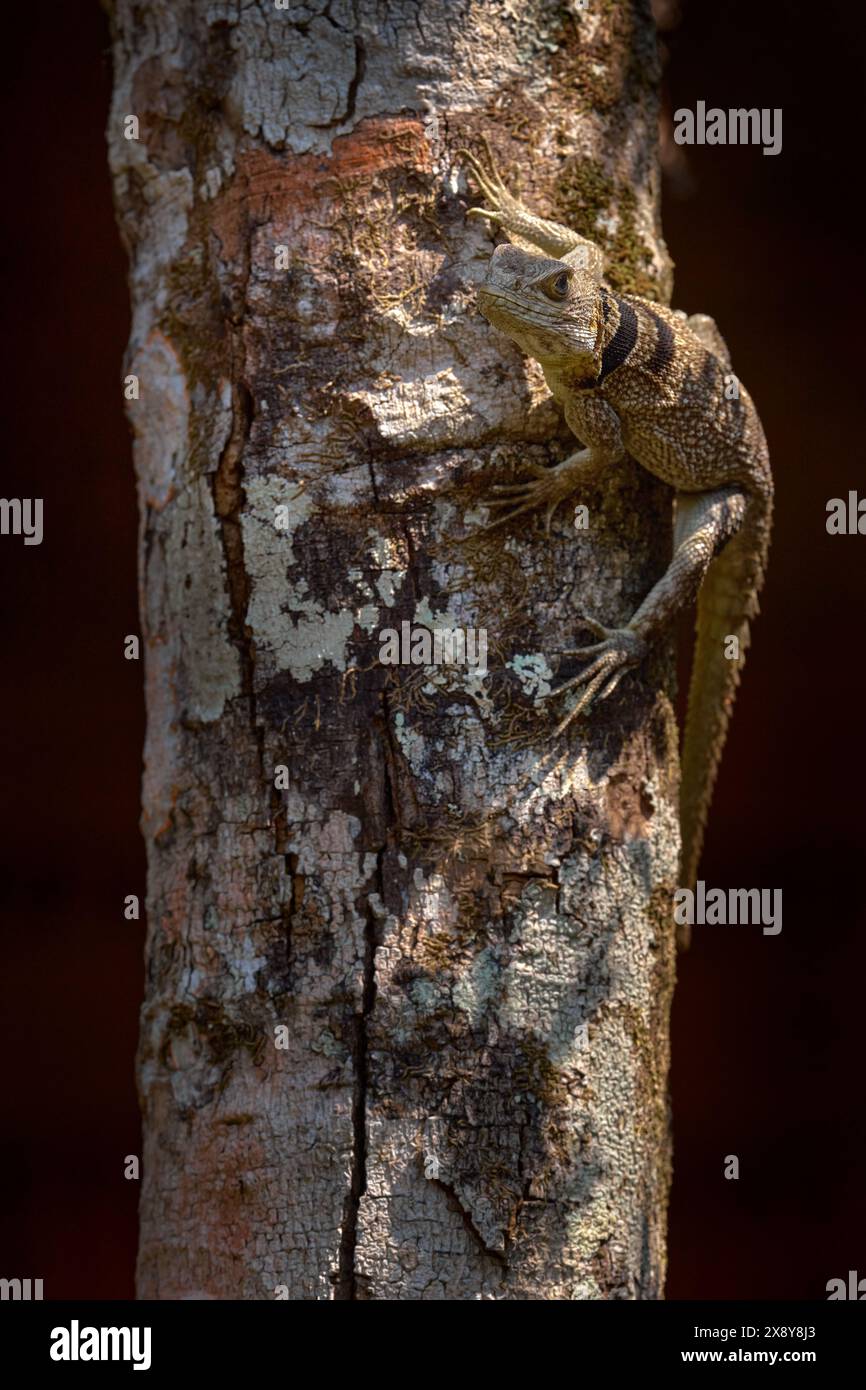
(636,378)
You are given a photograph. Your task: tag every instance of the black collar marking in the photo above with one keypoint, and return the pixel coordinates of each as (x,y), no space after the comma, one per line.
(620,344)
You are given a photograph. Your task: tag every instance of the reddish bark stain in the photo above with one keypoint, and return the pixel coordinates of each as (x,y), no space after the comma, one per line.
(268,185)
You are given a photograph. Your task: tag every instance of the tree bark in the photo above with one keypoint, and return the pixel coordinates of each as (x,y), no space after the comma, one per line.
(462,923)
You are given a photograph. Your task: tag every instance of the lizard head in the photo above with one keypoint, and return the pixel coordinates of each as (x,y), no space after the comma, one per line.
(549,308)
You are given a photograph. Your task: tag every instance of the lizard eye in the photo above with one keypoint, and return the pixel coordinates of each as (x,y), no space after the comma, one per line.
(557,286)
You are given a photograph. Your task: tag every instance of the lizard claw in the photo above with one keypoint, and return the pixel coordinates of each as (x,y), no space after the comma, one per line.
(618,650)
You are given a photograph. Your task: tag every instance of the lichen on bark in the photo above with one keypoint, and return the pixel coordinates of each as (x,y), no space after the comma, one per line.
(463,925)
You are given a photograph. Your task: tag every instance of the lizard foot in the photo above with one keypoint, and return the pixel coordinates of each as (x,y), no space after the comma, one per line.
(617,651)
(547,488)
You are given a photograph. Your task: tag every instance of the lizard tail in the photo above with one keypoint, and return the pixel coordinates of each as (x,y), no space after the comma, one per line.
(727,601)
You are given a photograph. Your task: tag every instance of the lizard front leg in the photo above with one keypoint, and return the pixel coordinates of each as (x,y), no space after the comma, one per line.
(704,523)
(548,488)
(597,424)
(523,227)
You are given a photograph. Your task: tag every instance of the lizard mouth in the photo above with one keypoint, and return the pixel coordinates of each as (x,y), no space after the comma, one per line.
(504,310)
(488,299)
(494,311)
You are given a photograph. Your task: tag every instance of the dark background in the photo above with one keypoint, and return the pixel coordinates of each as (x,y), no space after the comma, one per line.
(767,1031)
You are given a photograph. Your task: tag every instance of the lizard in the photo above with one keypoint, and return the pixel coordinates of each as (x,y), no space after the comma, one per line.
(637,379)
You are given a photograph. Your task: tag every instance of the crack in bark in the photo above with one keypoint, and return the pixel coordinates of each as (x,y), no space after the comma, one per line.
(229,498)
(351,93)
(296,902)
(357,78)
(391,760)
(374,487)
(469,1225)
(347,1283)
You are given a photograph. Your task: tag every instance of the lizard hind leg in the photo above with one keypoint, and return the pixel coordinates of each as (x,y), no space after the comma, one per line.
(704,523)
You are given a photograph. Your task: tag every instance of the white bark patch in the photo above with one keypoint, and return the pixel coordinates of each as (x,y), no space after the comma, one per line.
(533,672)
(288,623)
(411,743)
(160,420)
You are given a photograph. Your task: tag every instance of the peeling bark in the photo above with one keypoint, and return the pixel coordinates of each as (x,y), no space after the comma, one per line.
(464,925)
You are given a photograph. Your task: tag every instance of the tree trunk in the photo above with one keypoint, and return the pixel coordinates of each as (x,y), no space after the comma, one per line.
(405,1033)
